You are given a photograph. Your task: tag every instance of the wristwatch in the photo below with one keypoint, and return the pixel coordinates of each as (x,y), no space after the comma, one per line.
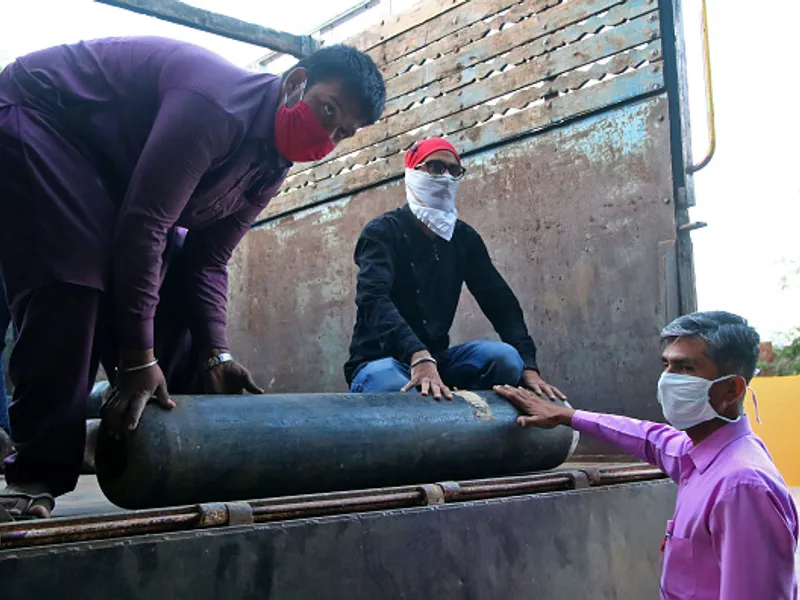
(217,360)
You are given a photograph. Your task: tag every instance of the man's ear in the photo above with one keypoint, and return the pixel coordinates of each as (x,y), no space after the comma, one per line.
(729,396)
(293,86)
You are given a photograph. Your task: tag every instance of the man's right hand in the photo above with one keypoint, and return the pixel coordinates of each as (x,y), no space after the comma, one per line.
(426,377)
(126,402)
(538,412)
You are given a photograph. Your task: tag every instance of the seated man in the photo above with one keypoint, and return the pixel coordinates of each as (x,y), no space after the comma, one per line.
(412,264)
(734,532)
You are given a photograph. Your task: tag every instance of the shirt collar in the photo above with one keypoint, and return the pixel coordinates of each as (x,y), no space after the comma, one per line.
(706,452)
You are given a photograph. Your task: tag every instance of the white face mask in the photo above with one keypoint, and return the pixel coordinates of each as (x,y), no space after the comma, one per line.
(685,400)
(432,199)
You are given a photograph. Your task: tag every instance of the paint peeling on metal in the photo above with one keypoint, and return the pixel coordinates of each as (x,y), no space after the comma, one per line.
(329,211)
(483,411)
(595,139)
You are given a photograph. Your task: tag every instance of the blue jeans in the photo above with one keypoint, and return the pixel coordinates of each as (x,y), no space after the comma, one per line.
(5,319)
(472,366)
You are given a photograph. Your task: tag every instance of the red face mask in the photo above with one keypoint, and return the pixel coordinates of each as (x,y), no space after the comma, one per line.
(299,136)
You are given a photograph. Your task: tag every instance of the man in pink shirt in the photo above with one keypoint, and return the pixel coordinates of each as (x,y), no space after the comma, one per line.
(734,532)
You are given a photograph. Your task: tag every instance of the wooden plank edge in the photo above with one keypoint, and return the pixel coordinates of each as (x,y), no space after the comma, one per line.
(619,39)
(446,25)
(349,147)
(389,28)
(556,113)
(476,115)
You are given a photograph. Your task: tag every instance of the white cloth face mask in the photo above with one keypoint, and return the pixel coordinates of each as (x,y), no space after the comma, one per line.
(685,402)
(432,199)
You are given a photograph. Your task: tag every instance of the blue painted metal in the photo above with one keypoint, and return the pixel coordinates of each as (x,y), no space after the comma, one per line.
(223,448)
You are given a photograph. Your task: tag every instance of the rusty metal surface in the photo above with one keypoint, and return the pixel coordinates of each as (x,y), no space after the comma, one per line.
(573,218)
(221,514)
(572,544)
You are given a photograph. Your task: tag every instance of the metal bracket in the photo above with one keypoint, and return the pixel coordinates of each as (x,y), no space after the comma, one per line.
(584,478)
(451,490)
(683,200)
(219,514)
(580,480)
(432,493)
(687,227)
(239,513)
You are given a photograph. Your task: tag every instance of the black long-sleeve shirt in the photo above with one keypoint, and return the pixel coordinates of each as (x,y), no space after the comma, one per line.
(408,289)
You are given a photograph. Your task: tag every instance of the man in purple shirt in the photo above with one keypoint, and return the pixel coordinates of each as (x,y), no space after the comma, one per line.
(129,171)
(734,532)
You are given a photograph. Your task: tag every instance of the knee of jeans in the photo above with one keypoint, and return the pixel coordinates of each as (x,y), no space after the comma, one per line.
(508,364)
(384,375)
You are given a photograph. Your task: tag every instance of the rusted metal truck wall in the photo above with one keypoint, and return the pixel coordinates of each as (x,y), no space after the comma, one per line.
(562,113)
(581,544)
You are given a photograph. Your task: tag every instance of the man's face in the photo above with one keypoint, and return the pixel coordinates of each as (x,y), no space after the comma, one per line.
(688,356)
(335,108)
(429,165)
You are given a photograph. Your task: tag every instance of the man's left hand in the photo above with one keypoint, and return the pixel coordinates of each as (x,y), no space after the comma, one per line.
(533,381)
(229,378)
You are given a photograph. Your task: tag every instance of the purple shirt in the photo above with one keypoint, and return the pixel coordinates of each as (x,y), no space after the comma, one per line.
(155,134)
(734,532)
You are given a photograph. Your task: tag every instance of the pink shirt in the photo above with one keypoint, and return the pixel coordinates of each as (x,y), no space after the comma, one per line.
(734,532)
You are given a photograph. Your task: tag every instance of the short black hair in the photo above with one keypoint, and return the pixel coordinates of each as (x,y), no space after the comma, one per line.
(731,342)
(355,69)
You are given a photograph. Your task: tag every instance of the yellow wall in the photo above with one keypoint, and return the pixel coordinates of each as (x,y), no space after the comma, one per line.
(779,407)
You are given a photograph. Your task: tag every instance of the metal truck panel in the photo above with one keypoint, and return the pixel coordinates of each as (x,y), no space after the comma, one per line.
(599,543)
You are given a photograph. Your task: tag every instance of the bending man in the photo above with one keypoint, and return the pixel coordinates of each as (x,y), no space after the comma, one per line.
(129,171)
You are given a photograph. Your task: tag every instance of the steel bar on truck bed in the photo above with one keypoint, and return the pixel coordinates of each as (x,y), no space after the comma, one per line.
(212,515)
(204,20)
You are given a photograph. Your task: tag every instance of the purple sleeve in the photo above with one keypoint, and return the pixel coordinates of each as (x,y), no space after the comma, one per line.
(657,444)
(751,535)
(209,251)
(188,134)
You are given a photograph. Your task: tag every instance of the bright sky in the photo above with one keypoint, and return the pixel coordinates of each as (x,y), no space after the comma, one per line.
(749,194)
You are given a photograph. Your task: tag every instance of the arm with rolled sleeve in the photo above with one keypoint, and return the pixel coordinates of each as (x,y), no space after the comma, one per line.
(660,445)
(753,540)
(497,300)
(188,134)
(375,259)
(209,251)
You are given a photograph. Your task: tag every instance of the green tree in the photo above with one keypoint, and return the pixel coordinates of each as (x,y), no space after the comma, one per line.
(786,359)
